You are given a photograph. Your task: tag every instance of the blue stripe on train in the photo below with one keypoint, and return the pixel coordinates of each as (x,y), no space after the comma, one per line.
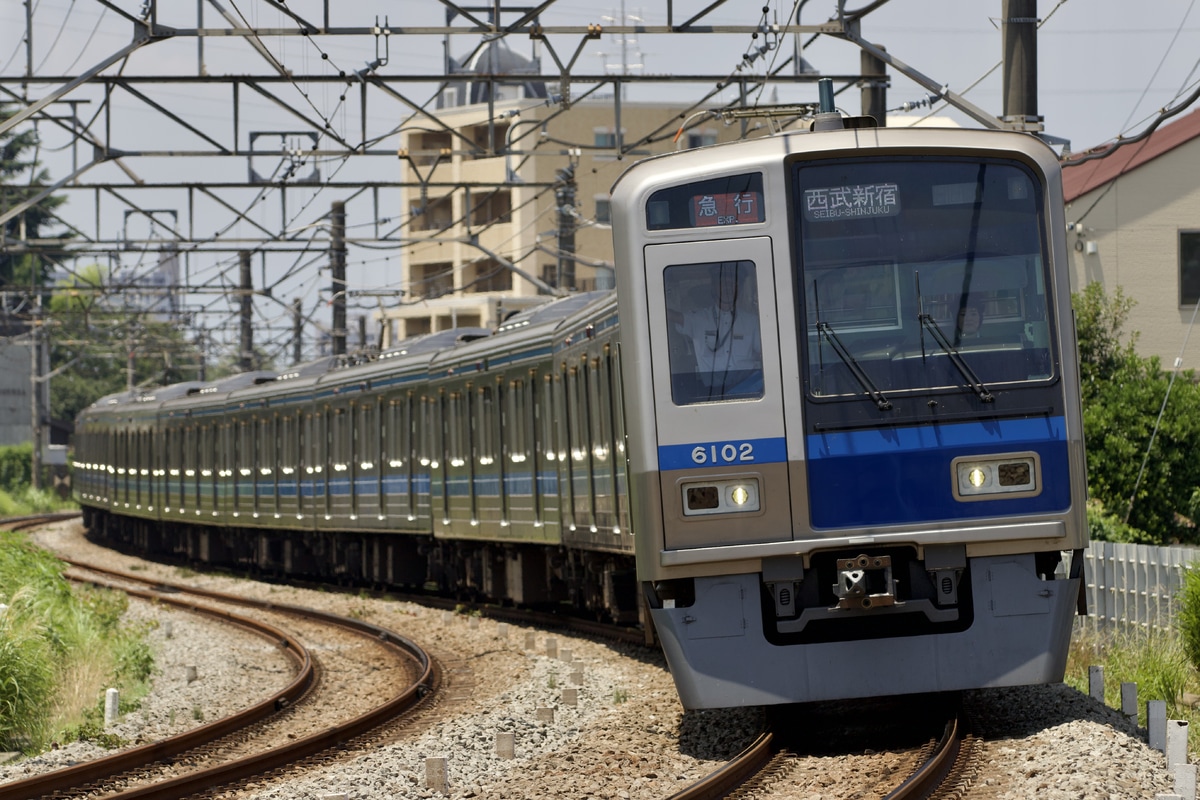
(729,452)
(902,475)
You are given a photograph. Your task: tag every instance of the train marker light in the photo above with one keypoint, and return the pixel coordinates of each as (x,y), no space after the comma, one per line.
(720,497)
(1005,474)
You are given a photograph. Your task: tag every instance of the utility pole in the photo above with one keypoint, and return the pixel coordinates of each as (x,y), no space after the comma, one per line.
(1019,31)
(247,290)
(297,329)
(564,198)
(35,395)
(874,87)
(337,265)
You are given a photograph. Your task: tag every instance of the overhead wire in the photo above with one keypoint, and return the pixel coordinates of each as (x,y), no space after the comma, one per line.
(61,27)
(1125,125)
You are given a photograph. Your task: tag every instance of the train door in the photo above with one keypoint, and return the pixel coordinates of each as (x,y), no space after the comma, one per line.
(305,495)
(718,387)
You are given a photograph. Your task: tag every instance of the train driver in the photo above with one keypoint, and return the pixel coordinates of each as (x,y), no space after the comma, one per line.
(723,328)
(968,323)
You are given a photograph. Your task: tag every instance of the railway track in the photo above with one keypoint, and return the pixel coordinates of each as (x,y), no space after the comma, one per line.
(761,770)
(765,768)
(150,771)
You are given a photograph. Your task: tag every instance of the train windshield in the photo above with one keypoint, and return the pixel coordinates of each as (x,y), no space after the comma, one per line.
(921,274)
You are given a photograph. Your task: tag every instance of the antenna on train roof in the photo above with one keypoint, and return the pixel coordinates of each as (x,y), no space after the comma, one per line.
(827,117)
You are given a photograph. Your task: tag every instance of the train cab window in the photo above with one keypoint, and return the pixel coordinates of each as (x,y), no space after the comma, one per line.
(713,332)
(921,275)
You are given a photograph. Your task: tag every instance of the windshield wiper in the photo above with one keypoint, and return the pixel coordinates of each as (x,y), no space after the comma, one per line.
(823,329)
(956,358)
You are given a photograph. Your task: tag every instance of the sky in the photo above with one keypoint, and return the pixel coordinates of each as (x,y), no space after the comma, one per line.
(1106,68)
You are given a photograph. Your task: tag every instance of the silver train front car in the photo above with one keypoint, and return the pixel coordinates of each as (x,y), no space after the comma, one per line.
(856,457)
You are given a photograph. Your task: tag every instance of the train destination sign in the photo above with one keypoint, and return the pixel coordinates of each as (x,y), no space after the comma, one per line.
(727,208)
(849,202)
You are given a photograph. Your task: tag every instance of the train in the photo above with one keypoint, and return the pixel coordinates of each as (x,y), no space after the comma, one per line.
(824,441)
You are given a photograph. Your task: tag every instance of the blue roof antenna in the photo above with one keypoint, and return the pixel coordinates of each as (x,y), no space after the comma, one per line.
(825,95)
(827,117)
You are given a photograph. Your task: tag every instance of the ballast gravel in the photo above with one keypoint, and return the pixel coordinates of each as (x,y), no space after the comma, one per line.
(626,736)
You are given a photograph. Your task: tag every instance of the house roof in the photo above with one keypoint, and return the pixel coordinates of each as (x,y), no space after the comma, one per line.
(1083,178)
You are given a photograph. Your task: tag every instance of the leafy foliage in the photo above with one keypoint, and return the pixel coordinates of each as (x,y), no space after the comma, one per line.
(51,635)
(103,346)
(20,180)
(1122,397)
(1187,616)
(1106,527)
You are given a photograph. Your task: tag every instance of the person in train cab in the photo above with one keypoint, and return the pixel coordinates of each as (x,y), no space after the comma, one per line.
(724,331)
(968,324)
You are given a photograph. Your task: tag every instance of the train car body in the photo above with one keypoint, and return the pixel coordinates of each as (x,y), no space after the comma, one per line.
(845,482)
(451,462)
(838,428)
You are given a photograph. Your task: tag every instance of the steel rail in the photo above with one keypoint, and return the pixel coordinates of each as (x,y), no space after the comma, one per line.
(754,759)
(940,763)
(108,766)
(746,764)
(331,737)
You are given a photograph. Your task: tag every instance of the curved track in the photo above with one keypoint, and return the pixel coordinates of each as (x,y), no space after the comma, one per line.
(81,776)
(939,765)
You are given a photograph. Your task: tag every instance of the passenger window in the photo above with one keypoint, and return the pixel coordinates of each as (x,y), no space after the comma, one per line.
(713,332)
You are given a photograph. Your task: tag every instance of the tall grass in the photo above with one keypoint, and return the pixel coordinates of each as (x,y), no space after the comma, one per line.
(25,501)
(1155,661)
(59,649)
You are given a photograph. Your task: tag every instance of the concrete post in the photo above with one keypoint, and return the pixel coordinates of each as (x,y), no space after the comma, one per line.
(435,775)
(1096,683)
(112,704)
(1156,724)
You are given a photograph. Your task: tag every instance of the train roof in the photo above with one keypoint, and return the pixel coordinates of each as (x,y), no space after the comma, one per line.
(728,157)
(432,342)
(553,311)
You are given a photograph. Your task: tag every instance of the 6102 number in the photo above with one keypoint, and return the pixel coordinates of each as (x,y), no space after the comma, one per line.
(723,453)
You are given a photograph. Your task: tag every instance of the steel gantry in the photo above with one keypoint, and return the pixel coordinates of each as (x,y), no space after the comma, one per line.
(234,126)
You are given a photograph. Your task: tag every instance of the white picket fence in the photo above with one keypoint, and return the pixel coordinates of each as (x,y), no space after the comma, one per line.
(1134,583)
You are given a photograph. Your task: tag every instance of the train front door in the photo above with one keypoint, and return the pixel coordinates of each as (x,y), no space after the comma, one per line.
(718,387)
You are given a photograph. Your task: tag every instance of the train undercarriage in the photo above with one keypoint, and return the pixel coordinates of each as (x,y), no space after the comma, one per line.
(589,583)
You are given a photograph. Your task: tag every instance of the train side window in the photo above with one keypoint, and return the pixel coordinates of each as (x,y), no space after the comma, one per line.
(429,430)
(267,449)
(714,337)
(514,423)
(367,436)
(459,426)
(487,427)
(545,415)
(392,446)
(341,439)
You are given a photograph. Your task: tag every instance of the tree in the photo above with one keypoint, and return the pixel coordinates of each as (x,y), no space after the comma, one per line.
(21,178)
(101,346)
(1140,442)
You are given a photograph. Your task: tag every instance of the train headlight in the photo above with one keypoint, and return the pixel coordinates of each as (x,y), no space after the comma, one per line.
(720,497)
(1007,474)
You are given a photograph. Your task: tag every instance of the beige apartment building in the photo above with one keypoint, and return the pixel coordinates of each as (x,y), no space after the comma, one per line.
(1134,223)
(484,230)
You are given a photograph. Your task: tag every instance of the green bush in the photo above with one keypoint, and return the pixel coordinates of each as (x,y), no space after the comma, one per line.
(1132,453)
(1106,527)
(59,648)
(26,677)
(1187,616)
(16,467)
